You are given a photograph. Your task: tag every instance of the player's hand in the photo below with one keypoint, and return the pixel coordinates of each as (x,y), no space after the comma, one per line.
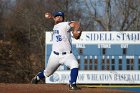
(48,15)
(77,34)
(76,26)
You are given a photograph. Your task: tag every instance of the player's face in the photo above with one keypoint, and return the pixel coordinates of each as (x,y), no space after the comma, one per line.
(58,19)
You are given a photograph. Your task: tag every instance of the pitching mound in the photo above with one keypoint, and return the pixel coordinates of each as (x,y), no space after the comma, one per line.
(51,88)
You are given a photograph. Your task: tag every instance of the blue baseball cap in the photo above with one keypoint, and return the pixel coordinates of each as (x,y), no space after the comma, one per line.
(59,13)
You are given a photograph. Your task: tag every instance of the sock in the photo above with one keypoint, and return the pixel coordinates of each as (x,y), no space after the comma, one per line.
(73,75)
(40,75)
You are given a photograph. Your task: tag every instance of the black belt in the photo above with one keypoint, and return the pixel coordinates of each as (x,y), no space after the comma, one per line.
(63,53)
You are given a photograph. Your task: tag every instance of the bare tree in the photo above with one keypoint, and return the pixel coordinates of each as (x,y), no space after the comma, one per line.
(92,8)
(25,28)
(114,14)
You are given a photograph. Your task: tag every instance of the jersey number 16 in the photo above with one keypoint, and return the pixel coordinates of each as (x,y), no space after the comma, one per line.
(59,38)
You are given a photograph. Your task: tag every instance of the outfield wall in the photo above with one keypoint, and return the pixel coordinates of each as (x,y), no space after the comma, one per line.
(104,57)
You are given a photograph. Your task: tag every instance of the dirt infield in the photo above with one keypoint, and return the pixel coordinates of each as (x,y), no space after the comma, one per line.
(51,88)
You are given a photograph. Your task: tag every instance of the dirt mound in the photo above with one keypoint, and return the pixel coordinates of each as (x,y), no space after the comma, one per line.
(52,88)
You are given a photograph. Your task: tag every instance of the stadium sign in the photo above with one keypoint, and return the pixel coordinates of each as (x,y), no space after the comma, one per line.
(96,41)
(97,77)
(104,37)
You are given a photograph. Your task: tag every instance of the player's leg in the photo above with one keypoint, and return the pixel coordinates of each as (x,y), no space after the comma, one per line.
(71,62)
(37,78)
(52,66)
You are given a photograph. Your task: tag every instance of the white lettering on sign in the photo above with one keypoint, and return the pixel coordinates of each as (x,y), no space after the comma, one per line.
(103,37)
(109,37)
(124,45)
(104,46)
(80,45)
(97,77)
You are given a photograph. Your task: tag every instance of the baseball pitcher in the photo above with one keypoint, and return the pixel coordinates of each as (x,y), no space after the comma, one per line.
(61,49)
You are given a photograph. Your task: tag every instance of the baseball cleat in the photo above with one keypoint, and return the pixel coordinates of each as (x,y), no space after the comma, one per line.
(73,87)
(34,80)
